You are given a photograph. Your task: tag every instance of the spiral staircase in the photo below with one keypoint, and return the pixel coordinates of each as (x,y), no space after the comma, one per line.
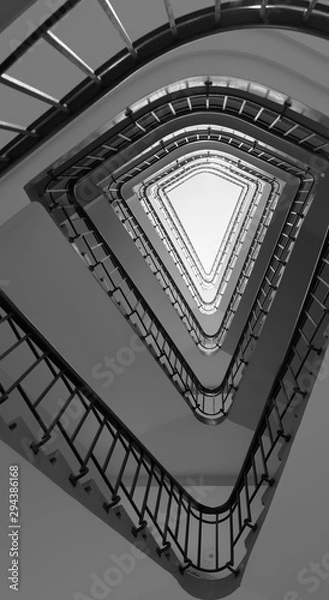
(95,261)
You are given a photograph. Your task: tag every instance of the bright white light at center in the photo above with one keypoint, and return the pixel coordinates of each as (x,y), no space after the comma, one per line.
(204,204)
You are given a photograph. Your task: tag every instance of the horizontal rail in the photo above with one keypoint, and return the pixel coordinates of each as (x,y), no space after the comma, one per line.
(300,15)
(172,514)
(209,405)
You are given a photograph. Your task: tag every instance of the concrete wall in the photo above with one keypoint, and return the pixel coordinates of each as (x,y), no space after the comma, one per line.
(51,284)
(281,66)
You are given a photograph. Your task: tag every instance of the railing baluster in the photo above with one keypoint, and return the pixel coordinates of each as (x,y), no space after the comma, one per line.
(55,421)
(308,11)
(217,534)
(84,469)
(113,17)
(122,468)
(146,495)
(13,347)
(218,8)
(165,529)
(171,18)
(187,531)
(26,373)
(111,450)
(68,53)
(107,422)
(24,88)
(47,389)
(199,541)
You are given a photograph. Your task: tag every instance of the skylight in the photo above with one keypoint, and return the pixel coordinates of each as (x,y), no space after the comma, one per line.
(197,205)
(204,204)
(205,207)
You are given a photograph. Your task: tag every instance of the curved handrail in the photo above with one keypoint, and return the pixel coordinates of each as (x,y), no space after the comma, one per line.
(300,15)
(206,305)
(206,342)
(230,520)
(209,405)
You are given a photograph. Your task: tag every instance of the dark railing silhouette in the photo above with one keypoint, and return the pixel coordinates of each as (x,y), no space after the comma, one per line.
(194,263)
(146,120)
(179,172)
(207,343)
(152,496)
(209,405)
(303,15)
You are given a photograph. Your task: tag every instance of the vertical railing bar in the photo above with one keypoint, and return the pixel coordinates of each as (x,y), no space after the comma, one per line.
(62,410)
(47,389)
(261,446)
(231,536)
(122,468)
(171,18)
(82,420)
(110,452)
(26,373)
(68,53)
(147,491)
(179,502)
(246,487)
(217,533)
(19,86)
(114,19)
(157,505)
(14,346)
(218,8)
(165,530)
(199,540)
(308,11)
(239,512)
(5,126)
(138,468)
(187,532)
(94,442)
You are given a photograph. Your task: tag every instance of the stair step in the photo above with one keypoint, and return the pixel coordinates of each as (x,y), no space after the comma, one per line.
(56,468)
(92,490)
(268,494)
(18,436)
(250,538)
(59,463)
(283,452)
(94,493)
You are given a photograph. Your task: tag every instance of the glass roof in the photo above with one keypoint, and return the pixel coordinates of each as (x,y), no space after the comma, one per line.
(204,205)
(198,206)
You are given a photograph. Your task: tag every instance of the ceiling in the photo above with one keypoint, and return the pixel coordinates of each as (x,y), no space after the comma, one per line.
(176,428)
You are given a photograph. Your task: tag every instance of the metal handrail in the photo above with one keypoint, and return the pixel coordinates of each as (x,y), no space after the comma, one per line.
(301,15)
(111,144)
(177,520)
(203,401)
(172,218)
(209,405)
(205,341)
